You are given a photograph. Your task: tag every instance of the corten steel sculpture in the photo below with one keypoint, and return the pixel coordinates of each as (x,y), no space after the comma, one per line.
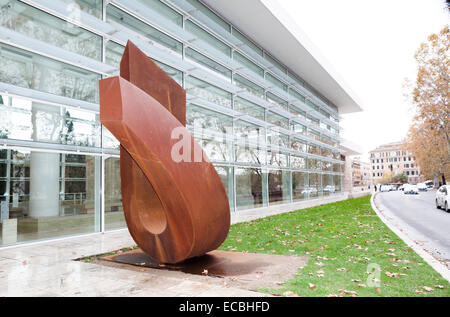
(174,210)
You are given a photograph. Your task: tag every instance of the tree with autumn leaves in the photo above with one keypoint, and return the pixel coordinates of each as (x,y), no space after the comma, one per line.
(428,137)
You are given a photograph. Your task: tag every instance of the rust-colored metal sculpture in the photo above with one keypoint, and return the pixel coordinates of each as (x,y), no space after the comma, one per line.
(174,209)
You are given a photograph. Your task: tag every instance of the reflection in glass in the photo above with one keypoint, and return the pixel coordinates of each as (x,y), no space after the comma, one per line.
(202,118)
(226,175)
(279,186)
(338,183)
(121,17)
(249,188)
(22,119)
(50,194)
(276,158)
(114,217)
(202,60)
(298,161)
(208,92)
(273,99)
(249,108)
(216,150)
(328,185)
(249,133)
(207,37)
(29,70)
(45,27)
(250,154)
(315,187)
(277,119)
(299,191)
(248,85)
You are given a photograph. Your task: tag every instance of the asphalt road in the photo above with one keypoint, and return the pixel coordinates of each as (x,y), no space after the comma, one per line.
(419,218)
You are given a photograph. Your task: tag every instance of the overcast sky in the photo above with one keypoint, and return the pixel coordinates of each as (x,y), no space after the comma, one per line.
(371,44)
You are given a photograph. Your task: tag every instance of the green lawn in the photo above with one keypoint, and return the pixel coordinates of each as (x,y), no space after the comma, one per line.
(344,240)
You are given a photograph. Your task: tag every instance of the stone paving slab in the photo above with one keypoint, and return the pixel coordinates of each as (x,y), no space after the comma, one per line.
(50,269)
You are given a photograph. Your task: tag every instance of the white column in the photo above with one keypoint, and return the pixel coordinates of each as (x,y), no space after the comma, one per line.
(44,184)
(44,167)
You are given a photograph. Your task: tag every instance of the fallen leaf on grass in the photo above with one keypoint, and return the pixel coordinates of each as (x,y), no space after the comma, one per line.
(312,286)
(392,274)
(427,288)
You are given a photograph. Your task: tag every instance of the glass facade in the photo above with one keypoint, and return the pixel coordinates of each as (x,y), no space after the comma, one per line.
(60,168)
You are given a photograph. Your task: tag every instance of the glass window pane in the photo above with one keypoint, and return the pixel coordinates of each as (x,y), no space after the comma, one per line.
(276,82)
(328,185)
(249,188)
(114,217)
(208,92)
(296,95)
(248,132)
(210,14)
(113,53)
(299,128)
(298,186)
(277,119)
(199,117)
(314,189)
(248,85)
(37,24)
(276,158)
(249,108)
(298,162)
(298,145)
(273,99)
(275,63)
(244,61)
(53,195)
(279,187)
(295,79)
(93,7)
(33,121)
(164,10)
(208,63)
(247,42)
(250,154)
(337,183)
(226,175)
(276,138)
(176,74)
(119,16)
(29,70)
(208,38)
(217,150)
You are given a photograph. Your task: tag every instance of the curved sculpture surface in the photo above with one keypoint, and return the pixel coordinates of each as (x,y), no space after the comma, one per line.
(174,209)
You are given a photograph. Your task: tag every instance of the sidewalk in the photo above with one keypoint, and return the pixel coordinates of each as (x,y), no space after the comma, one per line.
(49,269)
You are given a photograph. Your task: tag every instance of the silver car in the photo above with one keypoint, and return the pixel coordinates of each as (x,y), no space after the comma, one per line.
(443,197)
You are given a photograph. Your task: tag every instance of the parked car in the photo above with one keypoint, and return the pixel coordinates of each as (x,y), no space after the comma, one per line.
(393,187)
(401,187)
(385,188)
(329,188)
(430,186)
(422,187)
(443,197)
(410,189)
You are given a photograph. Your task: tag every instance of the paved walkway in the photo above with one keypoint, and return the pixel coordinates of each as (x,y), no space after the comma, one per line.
(49,269)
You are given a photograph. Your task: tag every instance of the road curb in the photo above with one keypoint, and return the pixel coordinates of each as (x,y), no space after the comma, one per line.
(433,262)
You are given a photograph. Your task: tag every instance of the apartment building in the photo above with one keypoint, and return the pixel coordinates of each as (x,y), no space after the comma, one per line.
(395,158)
